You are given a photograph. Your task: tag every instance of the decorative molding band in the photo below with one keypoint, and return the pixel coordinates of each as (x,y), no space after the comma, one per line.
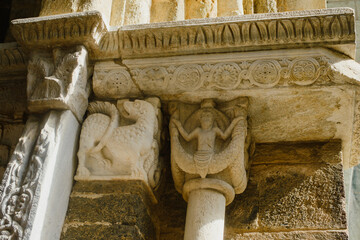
(313,28)
(114,81)
(12,58)
(242,33)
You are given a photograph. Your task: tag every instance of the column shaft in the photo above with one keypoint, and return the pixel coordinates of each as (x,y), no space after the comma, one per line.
(205,215)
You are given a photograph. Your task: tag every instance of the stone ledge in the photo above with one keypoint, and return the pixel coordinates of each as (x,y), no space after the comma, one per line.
(311,28)
(332,28)
(86,28)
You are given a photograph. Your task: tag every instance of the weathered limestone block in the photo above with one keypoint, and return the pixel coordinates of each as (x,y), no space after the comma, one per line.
(59,84)
(121,142)
(110,210)
(137,12)
(295,5)
(51,7)
(295,191)
(230,8)
(248,6)
(200,9)
(167,10)
(118,12)
(298,235)
(265,6)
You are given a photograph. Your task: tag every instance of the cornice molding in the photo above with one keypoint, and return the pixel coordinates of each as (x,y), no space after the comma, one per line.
(332,28)
(66,30)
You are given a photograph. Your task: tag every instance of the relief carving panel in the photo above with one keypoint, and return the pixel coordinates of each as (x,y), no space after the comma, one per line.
(209,142)
(61,83)
(121,142)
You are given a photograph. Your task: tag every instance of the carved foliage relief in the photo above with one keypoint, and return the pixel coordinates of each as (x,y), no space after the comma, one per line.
(59,80)
(121,142)
(210,141)
(242,34)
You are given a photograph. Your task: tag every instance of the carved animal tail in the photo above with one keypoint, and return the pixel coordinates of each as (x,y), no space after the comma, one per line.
(109,110)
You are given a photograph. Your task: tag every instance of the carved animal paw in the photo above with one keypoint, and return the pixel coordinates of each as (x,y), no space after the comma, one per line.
(83,171)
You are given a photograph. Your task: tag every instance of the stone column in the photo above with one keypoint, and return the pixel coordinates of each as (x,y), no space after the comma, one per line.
(137,12)
(209,161)
(200,9)
(167,10)
(38,180)
(291,5)
(265,6)
(230,8)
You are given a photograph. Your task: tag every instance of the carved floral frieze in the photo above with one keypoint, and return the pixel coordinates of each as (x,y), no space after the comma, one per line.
(243,33)
(264,73)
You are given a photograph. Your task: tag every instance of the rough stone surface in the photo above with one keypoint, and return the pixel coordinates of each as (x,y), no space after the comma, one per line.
(293,187)
(306,235)
(110,210)
(50,7)
(167,10)
(101,230)
(11,134)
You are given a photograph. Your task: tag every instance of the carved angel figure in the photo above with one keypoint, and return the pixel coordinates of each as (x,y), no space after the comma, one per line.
(209,158)
(109,150)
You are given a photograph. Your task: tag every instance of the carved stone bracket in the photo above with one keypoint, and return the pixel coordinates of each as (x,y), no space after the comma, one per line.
(209,161)
(209,142)
(121,142)
(59,81)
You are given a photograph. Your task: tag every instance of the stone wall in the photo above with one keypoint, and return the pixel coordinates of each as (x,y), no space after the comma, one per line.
(295,191)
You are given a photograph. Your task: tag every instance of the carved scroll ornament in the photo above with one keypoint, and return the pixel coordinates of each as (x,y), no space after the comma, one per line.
(121,142)
(210,142)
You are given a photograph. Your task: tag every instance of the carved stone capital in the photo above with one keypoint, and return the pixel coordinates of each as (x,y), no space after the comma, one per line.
(59,80)
(210,141)
(121,142)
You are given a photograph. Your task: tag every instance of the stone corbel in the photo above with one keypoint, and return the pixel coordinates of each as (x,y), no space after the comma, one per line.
(121,142)
(59,80)
(209,161)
